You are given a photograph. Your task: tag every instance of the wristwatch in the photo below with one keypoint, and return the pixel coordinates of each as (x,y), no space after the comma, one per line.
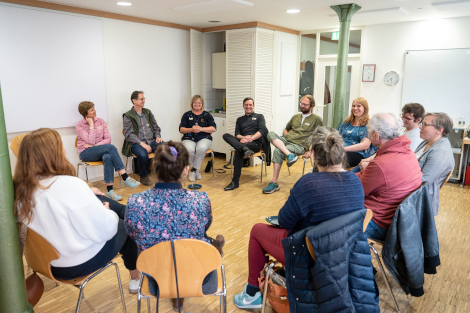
(202,129)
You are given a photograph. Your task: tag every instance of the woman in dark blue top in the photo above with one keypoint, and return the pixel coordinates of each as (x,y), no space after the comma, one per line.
(315,198)
(355,135)
(197,126)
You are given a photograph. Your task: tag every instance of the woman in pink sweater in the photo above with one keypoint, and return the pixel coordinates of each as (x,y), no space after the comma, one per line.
(94,144)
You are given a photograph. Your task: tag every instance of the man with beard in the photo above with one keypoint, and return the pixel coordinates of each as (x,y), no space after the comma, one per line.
(294,141)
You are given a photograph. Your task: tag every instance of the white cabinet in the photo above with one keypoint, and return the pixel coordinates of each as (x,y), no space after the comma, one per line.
(218,143)
(218,70)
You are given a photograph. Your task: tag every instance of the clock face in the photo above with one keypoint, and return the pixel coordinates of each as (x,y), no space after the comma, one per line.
(391,78)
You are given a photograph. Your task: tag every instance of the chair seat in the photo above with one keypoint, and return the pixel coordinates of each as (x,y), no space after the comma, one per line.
(93,163)
(151,155)
(146,293)
(257,154)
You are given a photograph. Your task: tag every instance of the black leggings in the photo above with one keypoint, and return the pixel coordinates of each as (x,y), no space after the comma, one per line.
(353,159)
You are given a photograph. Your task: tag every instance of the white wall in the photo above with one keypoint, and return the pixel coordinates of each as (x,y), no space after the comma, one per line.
(284,107)
(139,57)
(385,45)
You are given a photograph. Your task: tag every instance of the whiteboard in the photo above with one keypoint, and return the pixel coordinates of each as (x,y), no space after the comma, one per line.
(49,63)
(439,80)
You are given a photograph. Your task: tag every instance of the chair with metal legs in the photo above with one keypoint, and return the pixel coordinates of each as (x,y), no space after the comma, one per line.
(305,161)
(259,154)
(212,159)
(39,253)
(193,260)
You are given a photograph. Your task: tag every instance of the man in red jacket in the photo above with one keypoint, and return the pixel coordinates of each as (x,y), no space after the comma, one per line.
(391,176)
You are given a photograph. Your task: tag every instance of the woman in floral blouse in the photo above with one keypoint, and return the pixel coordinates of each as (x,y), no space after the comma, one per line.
(94,144)
(355,135)
(170,212)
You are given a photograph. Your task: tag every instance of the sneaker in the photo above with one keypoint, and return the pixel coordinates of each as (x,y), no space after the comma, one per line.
(192,176)
(131,182)
(134,285)
(244,301)
(146,181)
(291,159)
(272,187)
(112,195)
(198,175)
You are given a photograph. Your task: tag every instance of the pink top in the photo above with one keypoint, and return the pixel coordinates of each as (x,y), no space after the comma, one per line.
(97,136)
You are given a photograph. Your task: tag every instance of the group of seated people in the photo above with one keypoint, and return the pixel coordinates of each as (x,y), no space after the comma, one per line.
(88,229)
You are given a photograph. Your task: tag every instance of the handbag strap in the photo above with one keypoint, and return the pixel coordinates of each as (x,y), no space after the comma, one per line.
(176,276)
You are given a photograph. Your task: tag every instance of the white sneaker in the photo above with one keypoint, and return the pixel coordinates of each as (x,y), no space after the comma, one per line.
(198,175)
(134,285)
(192,176)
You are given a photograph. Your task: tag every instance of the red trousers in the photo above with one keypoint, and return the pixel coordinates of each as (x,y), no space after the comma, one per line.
(264,239)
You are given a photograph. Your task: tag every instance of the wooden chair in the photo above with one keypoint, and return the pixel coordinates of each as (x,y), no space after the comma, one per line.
(39,253)
(445,181)
(259,154)
(194,260)
(305,161)
(15,144)
(86,164)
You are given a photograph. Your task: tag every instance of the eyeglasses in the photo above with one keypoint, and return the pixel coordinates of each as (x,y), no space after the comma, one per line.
(406,118)
(422,124)
(304,105)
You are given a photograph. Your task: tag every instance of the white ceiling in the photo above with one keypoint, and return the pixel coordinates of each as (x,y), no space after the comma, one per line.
(314,14)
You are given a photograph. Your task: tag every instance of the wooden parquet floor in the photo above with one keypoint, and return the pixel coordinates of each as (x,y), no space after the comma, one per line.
(235,212)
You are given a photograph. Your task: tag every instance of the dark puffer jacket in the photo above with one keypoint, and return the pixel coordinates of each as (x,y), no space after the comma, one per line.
(341,277)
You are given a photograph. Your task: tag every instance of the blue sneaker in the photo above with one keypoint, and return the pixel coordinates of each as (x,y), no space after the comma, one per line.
(131,182)
(272,187)
(291,159)
(244,301)
(112,195)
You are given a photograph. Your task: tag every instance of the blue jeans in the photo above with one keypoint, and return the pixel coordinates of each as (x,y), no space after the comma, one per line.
(143,157)
(110,157)
(356,169)
(374,231)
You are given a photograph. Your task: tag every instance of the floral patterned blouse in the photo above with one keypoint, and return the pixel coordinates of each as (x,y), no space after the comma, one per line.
(353,135)
(167,212)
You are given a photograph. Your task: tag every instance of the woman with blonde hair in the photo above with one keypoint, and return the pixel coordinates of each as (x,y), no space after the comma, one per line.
(197,126)
(62,208)
(355,135)
(94,144)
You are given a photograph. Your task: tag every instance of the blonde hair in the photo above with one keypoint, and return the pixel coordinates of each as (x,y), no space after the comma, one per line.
(364,118)
(194,98)
(310,98)
(84,106)
(41,155)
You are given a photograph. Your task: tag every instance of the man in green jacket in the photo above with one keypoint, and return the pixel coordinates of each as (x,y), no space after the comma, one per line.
(142,135)
(294,141)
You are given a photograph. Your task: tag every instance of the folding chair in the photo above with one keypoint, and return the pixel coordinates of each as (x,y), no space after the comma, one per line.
(39,254)
(259,154)
(179,268)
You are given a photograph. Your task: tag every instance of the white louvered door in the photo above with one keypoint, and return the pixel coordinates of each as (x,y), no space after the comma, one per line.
(240,75)
(195,43)
(264,74)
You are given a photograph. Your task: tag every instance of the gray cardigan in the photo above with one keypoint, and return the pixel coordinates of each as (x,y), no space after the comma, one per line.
(436,163)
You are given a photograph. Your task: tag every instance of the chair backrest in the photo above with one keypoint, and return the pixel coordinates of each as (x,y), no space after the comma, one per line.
(39,253)
(15,144)
(194,260)
(447,179)
(76,141)
(367,219)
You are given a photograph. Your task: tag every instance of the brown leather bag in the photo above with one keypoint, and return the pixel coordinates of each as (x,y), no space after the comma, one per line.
(276,294)
(34,288)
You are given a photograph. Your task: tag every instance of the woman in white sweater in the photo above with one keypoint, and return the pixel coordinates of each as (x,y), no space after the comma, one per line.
(63,209)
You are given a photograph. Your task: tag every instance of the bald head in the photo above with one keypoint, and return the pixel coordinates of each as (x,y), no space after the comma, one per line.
(386,125)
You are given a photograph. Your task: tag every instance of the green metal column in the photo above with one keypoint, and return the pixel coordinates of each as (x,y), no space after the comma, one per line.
(345,12)
(12,287)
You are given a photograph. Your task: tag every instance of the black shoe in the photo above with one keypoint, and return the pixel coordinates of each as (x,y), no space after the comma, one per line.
(231,186)
(246,163)
(248,153)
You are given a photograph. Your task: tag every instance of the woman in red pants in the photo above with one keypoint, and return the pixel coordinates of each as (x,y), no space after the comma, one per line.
(315,198)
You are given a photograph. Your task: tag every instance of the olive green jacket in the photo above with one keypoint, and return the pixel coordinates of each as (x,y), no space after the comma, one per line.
(131,115)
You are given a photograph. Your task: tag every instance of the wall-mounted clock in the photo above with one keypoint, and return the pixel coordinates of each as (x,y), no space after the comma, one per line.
(391,78)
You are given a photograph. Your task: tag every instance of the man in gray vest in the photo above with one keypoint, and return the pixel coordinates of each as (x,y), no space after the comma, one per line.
(142,135)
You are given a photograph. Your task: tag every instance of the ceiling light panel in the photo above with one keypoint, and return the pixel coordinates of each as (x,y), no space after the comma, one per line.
(452,5)
(212,6)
